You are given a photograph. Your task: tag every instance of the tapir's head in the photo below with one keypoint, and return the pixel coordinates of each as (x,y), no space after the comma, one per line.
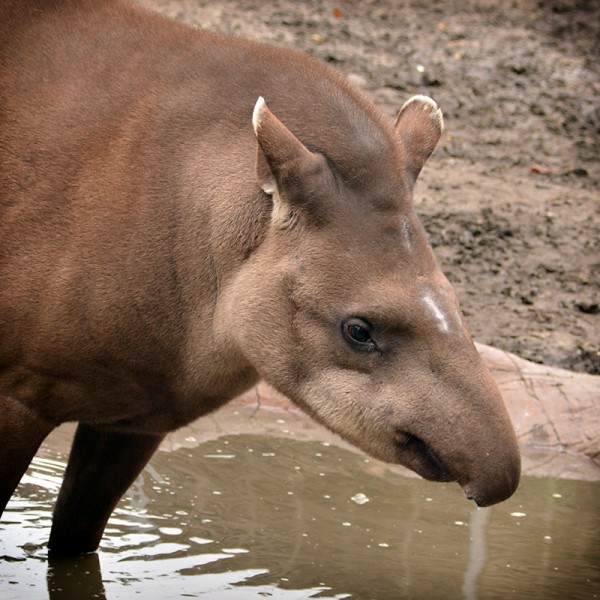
(344,308)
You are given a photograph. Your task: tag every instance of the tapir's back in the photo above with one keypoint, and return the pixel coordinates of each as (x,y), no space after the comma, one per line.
(77,73)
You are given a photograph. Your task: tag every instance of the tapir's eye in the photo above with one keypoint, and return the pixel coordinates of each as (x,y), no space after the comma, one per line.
(358,333)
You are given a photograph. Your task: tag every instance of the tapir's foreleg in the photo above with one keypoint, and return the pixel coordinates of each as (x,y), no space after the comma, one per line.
(101,467)
(21,434)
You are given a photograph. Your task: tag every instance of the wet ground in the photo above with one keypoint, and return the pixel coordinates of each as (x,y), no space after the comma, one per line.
(251,516)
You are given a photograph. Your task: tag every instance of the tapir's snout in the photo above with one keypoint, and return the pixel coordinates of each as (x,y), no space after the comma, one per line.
(468,439)
(493,469)
(486,477)
(502,489)
(498,481)
(448,426)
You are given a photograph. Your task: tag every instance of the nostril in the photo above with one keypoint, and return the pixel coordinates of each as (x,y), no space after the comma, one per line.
(480,499)
(473,499)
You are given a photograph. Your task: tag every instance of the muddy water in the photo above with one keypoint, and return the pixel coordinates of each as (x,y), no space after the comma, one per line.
(251,516)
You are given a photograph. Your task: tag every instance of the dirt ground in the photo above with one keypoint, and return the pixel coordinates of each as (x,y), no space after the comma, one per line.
(510,199)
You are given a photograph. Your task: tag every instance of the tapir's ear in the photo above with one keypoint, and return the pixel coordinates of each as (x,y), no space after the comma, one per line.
(419,124)
(281,160)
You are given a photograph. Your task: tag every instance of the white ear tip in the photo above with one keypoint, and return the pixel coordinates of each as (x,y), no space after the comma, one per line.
(429,105)
(258,108)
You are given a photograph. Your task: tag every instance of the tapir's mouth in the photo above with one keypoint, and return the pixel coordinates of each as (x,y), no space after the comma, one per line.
(418,456)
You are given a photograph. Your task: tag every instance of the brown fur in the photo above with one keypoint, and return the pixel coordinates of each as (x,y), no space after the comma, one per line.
(158,256)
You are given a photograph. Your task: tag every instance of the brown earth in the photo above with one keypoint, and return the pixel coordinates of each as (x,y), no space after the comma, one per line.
(510,199)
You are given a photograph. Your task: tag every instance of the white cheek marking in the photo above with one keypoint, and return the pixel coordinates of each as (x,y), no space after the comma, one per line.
(440,316)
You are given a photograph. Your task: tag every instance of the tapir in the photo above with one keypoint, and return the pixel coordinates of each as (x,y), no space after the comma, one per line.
(184,213)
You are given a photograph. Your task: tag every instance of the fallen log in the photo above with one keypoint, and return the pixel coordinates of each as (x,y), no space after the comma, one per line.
(551,409)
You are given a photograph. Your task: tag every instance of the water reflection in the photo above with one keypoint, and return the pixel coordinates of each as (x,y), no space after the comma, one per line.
(74,579)
(254,517)
(477,552)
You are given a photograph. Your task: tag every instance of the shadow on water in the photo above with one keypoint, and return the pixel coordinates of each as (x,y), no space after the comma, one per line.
(252,516)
